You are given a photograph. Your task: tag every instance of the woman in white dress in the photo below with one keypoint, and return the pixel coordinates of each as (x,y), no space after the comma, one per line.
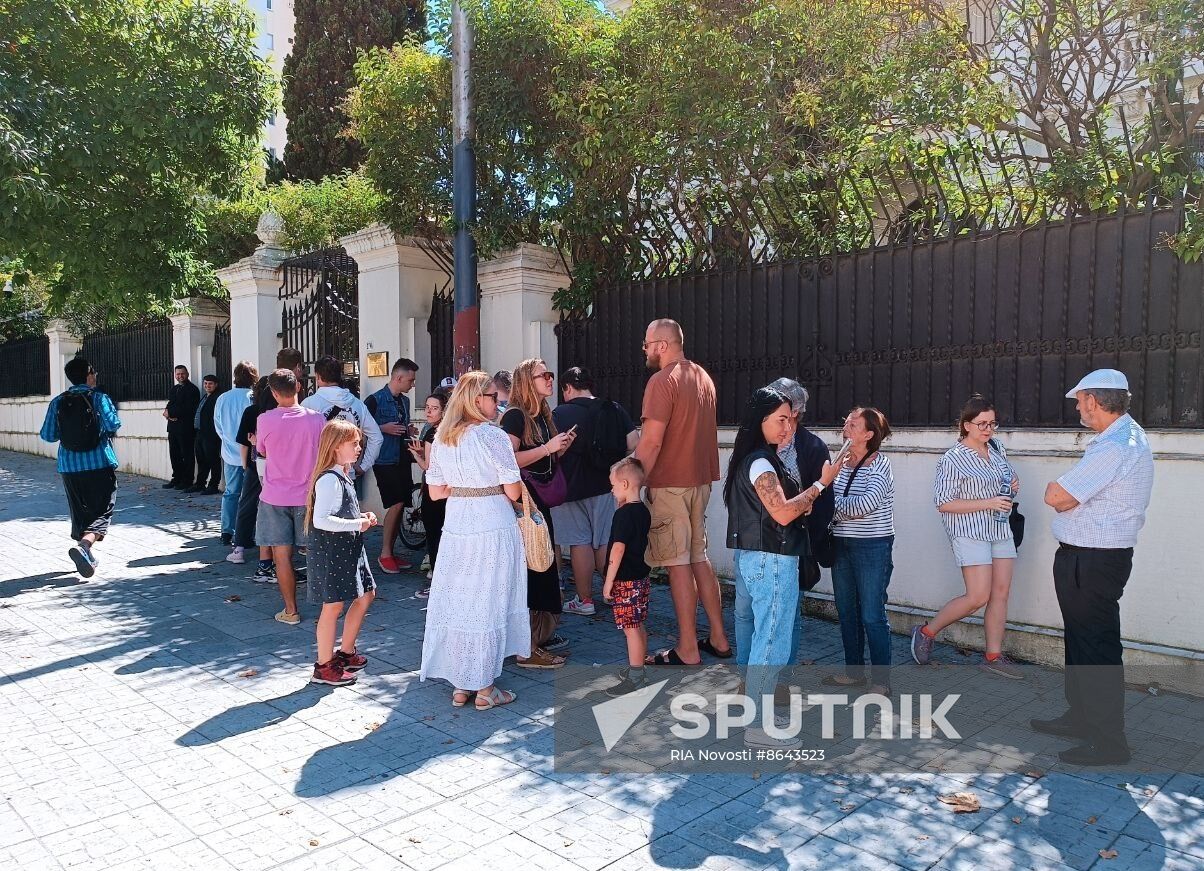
(477,614)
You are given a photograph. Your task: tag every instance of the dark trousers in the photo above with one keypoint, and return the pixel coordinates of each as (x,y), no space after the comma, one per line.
(248,508)
(179,448)
(860,576)
(1089,583)
(433,514)
(208,461)
(90,498)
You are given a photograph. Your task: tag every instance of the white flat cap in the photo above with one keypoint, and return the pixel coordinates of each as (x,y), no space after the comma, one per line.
(1100,379)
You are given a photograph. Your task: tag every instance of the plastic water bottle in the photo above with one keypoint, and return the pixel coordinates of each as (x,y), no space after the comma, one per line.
(1005,489)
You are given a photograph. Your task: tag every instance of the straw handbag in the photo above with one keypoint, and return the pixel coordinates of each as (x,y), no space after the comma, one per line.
(537,543)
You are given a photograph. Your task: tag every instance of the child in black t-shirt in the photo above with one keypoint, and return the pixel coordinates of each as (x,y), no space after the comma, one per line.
(627,586)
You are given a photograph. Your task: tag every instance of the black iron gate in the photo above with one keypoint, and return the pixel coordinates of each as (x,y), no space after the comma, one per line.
(223,365)
(916,328)
(320,291)
(439,325)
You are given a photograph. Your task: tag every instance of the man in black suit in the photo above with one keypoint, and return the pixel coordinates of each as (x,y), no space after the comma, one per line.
(208,442)
(180,412)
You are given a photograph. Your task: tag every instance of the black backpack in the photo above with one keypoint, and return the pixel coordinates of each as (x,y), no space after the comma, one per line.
(609,427)
(79,425)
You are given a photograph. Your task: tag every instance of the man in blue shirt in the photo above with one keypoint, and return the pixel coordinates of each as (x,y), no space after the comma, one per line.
(1101,504)
(83,420)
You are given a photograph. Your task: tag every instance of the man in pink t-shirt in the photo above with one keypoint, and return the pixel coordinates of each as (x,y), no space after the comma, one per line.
(287,437)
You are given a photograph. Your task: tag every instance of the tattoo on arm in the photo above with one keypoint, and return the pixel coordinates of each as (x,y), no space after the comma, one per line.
(770,491)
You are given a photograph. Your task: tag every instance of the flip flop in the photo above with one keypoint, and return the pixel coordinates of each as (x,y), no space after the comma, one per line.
(704,644)
(670,657)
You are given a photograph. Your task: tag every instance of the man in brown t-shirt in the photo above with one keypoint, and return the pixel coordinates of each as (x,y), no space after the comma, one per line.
(679,448)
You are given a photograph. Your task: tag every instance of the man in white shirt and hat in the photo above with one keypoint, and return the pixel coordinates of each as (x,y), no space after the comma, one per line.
(1101,505)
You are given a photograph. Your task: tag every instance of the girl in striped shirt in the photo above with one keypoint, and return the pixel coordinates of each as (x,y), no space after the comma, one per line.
(971,479)
(864,537)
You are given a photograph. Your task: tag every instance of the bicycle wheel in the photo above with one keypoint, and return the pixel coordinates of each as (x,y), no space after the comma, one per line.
(411,530)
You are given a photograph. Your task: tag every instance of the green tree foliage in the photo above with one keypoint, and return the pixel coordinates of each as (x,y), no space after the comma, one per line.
(116,118)
(319,71)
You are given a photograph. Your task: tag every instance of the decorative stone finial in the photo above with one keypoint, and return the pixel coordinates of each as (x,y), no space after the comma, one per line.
(270,229)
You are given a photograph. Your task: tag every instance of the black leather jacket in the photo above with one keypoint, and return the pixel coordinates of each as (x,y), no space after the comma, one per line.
(749,524)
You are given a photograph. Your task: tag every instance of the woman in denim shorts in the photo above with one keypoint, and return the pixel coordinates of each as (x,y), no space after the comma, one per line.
(974,488)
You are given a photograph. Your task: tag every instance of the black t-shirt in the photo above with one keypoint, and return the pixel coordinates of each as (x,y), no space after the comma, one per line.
(584,479)
(630,526)
(513,423)
(246,425)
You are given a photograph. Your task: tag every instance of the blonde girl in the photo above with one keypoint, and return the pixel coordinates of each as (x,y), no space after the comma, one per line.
(338,563)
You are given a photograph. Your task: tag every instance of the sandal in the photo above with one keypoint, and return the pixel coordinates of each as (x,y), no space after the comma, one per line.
(460,698)
(494,698)
(540,658)
(704,644)
(670,657)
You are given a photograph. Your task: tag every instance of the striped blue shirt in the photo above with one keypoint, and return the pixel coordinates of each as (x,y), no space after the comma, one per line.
(962,473)
(1112,484)
(100,457)
(868,511)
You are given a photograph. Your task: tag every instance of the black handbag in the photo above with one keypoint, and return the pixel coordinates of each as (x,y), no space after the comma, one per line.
(1016,522)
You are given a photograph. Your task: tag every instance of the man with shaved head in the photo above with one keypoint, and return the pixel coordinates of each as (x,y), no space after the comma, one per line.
(679,449)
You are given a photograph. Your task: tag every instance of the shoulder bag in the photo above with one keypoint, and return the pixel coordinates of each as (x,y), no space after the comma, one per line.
(537,543)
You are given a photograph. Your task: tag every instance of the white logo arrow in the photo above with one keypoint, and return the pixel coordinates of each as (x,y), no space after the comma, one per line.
(615,717)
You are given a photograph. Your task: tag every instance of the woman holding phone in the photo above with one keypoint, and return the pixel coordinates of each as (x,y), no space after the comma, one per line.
(434,511)
(974,488)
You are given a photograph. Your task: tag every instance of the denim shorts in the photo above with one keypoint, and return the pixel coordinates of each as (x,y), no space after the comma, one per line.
(971,552)
(277,526)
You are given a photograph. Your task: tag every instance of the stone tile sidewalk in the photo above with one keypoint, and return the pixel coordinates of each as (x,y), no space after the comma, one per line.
(158,718)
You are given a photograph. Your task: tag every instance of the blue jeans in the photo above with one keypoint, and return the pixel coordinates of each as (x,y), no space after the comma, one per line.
(860,576)
(766,604)
(230,497)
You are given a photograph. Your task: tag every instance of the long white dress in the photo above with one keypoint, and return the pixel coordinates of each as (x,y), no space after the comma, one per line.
(477,612)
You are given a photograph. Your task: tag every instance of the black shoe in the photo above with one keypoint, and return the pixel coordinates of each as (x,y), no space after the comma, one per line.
(85,563)
(170,485)
(208,491)
(195,488)
(1093,754)
(227,539)
(1059,726)
(626,685)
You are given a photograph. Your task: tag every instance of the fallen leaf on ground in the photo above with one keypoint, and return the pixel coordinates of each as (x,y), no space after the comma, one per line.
(313,842)
(808,662)
(1147,791)
(756,775)
(848,807)
(921,837)
(906,790)
(450,741)
(568,843)
(414,840)
(1108,854)
(1017,820)
(250,672)
(962,802)
(1034,774)
(234,598)
(286,811)
(372,727)
(1091,821)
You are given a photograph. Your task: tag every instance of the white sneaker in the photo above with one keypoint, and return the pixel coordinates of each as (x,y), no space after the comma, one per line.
(576,606)
(761,738)
(237,556)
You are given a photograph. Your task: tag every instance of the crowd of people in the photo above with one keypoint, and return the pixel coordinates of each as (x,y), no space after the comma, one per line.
(623,498)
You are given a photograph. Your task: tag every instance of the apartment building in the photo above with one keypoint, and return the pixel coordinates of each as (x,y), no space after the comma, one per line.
(273,42)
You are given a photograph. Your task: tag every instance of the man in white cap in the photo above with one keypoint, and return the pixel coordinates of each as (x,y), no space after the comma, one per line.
(1101,505)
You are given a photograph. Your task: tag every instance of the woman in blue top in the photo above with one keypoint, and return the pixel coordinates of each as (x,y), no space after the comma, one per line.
(972,479)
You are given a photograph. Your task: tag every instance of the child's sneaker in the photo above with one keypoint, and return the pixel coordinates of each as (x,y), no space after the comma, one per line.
(238,556)
(556,642)
(85,563)
(265,574)
(350,662)
(332,674)
(627,684)
(576,606)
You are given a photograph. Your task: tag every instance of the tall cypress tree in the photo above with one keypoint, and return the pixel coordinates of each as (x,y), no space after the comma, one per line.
(320,70)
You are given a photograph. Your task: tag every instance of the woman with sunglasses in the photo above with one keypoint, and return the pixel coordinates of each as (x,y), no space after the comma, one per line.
(537,449)
(974,488)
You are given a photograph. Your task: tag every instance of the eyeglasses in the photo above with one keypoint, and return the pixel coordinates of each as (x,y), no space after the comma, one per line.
(492,396)
(986,424)
(546,376)
(653,342)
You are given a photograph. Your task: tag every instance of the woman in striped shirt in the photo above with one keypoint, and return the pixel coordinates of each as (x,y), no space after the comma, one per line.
(972,479)
(864,536)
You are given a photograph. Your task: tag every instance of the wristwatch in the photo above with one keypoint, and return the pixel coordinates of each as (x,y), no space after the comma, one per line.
(819,487)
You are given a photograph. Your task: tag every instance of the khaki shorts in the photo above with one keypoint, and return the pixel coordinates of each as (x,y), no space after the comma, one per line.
(678,535)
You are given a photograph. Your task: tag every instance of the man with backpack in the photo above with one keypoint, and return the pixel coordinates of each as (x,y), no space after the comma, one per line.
(605,434)
(333,400)
(83,421)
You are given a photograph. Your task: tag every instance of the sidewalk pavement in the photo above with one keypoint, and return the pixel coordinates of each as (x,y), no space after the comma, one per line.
(158,718)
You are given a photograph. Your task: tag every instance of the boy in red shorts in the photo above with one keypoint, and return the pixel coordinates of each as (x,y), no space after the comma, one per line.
(627,586)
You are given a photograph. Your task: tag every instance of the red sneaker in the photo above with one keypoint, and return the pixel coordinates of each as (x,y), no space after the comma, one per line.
(391,565)
(350,662)
(332,674)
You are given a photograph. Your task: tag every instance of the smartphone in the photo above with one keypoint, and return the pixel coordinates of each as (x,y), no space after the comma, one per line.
(572,429)
(844,449)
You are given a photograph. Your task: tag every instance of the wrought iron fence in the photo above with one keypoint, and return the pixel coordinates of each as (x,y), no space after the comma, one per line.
(25,367)
(223,365)
(133,362)
(916,327)
(321,309)
(439,325)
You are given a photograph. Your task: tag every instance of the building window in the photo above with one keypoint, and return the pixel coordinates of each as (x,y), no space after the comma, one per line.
(272,152)
(269,4)
(269,41)
(272,119)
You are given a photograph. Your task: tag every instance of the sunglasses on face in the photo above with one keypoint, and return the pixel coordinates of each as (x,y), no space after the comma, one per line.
(546,376)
